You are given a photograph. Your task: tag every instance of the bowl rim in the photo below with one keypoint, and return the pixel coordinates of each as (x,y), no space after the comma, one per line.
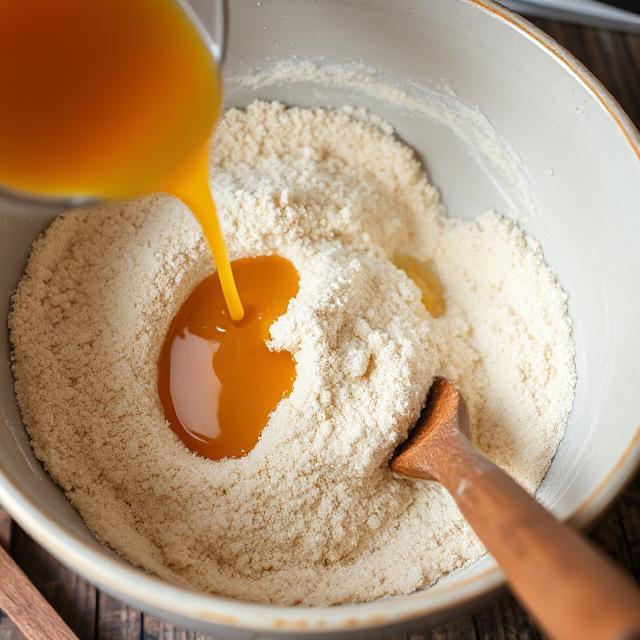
(152,593)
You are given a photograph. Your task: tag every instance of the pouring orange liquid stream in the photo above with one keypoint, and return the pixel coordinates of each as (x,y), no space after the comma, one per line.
(116,98)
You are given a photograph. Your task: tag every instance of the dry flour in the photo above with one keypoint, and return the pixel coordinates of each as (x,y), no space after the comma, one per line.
(312,515)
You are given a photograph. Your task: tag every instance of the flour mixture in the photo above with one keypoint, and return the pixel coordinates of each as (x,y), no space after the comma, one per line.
(312,515)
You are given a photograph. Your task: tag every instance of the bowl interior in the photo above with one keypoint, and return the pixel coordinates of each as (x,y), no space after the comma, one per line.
(500,123)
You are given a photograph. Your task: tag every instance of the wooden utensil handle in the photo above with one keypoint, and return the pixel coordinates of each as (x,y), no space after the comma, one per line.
(571,589)
(26,606)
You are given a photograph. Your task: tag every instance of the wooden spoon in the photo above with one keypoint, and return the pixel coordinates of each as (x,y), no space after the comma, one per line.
(573,591)
(26,606)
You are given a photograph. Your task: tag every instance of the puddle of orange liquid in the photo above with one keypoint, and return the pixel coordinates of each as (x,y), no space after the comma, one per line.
(218,381)
(115,98)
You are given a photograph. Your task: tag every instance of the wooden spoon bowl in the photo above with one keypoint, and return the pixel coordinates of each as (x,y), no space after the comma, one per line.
(570,588)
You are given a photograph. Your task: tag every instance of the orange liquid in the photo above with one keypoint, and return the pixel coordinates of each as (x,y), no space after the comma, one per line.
(109,99)
(116,98)
(218,381)
(192,187)
(104,98)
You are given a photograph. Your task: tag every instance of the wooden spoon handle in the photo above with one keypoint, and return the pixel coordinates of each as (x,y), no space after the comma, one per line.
(26,606)
(571,589)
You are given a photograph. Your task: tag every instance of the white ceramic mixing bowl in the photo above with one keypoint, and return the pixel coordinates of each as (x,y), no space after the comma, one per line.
(546,144)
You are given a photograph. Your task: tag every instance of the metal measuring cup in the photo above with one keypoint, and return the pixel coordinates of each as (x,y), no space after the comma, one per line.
(211,19)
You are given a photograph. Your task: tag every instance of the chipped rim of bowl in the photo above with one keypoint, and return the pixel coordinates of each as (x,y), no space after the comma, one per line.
(119,578)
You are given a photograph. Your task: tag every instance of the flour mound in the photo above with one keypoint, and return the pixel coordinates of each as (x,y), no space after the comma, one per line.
(312,515)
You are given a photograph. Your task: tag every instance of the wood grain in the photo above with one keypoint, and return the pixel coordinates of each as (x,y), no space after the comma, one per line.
(460,630)
(34,616)
(628,508)
(116,620)
(8,630)
(506,620)
(615,60)
(73,597)
(157,629)
(5,529)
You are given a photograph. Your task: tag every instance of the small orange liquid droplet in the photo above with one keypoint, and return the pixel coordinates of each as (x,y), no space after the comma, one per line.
(218,382)
(426,279)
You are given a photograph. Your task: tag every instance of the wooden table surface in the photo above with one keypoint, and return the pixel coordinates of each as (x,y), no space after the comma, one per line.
(615,59)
